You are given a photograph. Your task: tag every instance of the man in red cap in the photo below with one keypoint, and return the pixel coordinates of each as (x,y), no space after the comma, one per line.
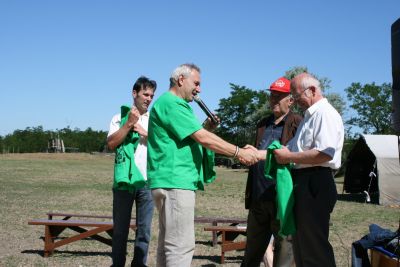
(260,192)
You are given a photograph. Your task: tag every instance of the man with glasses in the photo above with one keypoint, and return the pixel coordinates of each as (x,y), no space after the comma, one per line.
(315,150)
(260,192)
(297,96)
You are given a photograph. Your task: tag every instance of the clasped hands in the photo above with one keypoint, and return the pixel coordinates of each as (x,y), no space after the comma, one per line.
(133,124)
(249,155)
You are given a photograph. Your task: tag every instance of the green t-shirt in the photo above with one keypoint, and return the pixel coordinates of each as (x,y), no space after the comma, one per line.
(174,159)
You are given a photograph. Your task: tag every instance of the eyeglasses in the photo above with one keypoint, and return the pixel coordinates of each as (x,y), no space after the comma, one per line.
(275,96)
(297,96)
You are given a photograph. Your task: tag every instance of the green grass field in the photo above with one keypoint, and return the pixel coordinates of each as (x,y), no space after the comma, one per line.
(33,184)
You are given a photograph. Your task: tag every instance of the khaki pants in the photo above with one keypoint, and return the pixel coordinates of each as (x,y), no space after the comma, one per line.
(176,240)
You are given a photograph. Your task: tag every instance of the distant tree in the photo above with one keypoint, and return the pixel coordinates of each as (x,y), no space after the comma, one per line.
(237,114)
(373,105)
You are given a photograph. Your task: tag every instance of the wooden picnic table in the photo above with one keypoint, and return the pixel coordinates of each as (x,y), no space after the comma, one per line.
(229,233)
(214,221)
(84,228)
(88,225)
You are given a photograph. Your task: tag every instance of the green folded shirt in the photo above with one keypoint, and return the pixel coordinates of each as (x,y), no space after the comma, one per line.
(126,174)
(284,190)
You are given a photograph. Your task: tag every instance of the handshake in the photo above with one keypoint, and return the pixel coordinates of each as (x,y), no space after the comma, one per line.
(249,155)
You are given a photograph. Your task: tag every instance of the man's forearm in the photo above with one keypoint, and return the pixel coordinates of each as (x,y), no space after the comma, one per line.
(312,156)
(118,137)
(213,142)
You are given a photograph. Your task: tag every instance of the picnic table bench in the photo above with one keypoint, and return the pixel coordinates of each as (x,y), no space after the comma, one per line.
(229,233)
(87,225)
(84,228)
(214,221)
(219,220)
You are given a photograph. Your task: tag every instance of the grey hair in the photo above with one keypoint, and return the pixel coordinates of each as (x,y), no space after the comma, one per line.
(309,80)
(184,70)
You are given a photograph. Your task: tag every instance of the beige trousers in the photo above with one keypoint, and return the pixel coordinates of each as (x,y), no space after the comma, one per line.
(176,240)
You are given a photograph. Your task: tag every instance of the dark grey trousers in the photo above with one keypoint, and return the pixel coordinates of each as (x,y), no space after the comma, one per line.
(261,224)
(315,197)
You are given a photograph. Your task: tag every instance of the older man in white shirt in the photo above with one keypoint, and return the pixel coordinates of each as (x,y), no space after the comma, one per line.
(315,150)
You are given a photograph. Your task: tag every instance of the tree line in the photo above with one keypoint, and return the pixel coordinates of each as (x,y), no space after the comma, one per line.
(35,139)
(369,110)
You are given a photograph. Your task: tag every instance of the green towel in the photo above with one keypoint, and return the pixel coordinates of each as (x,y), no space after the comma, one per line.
(207,172)
(208,166)
(284,190)
(126,174)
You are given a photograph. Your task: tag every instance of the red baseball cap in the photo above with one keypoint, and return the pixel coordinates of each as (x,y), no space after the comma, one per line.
(281,85)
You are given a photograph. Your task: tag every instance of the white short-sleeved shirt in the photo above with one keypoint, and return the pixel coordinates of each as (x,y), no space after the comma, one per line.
(321,129)
(141,150)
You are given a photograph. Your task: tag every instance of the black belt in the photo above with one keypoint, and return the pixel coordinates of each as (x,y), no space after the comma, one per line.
(309,170)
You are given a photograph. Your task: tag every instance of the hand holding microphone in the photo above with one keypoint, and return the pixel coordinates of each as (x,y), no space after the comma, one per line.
(214,119)
(209,125)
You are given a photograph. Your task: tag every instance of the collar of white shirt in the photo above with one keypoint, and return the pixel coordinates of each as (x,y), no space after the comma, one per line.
(311,110)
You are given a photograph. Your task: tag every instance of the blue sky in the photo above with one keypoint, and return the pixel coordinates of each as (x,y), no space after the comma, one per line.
(73,63)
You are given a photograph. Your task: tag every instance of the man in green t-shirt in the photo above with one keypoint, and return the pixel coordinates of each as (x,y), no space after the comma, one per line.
(177,145)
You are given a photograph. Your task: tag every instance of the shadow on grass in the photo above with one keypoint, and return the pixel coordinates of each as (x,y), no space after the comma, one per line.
(75,253)
(86,238)
(210,243)
(217,259)
(206,243)
(358,197)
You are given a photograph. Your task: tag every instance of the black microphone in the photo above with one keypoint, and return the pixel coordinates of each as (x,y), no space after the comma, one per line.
(205,109)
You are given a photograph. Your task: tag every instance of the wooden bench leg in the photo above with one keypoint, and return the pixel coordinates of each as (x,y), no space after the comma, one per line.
(95,236)
(214,235)
(228,244)
(50,245)
(83,235)
(222,248)
(48,241)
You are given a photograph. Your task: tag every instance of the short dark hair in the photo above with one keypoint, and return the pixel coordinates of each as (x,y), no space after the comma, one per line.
(142,83)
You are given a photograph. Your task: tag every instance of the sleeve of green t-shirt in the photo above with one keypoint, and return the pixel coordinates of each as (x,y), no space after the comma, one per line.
(181,121)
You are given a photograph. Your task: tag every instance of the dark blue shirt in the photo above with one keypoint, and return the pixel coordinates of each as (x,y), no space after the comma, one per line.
(264,189)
